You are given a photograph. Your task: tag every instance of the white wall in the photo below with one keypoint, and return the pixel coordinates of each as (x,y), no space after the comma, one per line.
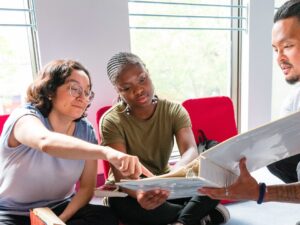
(257,64)
(89,31)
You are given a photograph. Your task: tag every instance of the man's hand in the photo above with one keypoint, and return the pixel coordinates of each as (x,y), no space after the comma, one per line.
(245,187)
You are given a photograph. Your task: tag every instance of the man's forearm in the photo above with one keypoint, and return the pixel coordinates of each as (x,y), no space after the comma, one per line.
(283,193)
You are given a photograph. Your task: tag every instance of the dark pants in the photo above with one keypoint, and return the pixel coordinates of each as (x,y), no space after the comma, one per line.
(286,169)
(188,211)
(87,215)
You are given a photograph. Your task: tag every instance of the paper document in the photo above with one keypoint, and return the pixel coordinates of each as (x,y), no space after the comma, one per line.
(219,166)
(179,187)
(107,190)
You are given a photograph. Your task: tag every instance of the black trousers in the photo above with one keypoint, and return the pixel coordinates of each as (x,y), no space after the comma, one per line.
(87,215)
(188,211)
(286,169)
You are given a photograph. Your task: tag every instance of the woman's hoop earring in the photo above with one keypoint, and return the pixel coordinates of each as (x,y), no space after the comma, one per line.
(127,110)
(127,107)
(154,99)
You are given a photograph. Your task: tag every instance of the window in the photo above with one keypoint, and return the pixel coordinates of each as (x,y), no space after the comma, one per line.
(18,51)
(190,47)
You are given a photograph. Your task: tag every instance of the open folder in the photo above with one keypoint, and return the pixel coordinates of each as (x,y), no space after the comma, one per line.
(219,166)
(44,216)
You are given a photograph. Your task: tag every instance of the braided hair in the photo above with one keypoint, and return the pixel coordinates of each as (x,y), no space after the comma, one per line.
(119,62)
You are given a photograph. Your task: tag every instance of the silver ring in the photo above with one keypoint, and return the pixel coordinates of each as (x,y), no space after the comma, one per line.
(226,192)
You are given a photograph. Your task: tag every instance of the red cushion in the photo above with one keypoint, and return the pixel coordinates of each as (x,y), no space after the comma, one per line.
(3,118)
(214,115)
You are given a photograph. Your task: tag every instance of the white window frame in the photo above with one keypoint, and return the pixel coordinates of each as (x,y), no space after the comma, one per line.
(238,25)
(32,34)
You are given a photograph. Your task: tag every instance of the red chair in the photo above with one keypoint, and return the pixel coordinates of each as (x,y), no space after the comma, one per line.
(213,115)
(105,163)
(99,114)
(3,118)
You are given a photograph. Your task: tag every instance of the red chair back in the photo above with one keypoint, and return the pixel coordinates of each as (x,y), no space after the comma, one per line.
(213,115)
(3,118)
(99,114)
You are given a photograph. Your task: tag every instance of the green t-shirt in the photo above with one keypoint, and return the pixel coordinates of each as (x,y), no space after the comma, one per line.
(151,140)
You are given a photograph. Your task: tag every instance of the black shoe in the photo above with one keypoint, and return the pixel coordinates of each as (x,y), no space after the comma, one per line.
(218,215)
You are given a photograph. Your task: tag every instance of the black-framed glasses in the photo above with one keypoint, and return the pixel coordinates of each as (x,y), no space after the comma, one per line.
(77,91)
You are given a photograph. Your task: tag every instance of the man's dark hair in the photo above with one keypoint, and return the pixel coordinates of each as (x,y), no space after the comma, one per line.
(289,9)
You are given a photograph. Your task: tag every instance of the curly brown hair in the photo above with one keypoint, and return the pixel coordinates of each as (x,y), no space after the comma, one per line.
(52,75)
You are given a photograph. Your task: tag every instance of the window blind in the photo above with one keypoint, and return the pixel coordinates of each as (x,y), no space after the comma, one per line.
(196,15)
(13,16)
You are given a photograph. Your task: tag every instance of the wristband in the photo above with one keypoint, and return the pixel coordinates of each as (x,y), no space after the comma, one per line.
(262,191)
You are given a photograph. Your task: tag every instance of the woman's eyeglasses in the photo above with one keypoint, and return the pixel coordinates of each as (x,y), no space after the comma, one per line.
(77,91)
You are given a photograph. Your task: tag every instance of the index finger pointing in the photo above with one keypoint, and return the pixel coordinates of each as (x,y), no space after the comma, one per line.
(146,172)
